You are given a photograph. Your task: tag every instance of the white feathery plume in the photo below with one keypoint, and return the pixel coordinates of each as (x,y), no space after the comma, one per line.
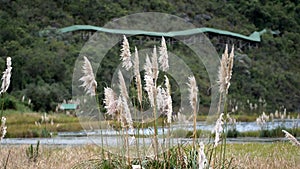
(125,54)
(229,119)
(259,122)
(88,78)
(122,85)
(282,116)
(222,75)
(161,99)
(193,97)
(276,114)
(127,113)
(8,61)
(5,80)
(182,118)
(6,76)
(265,117)
(137,75)
(124,96)
(218,129)
(291,138)
(164,100)
(43,117)
(124,113)
(163,58)
(262,119)
(120,109)
(169,100)
(164,103)
(154,64)
(131,140)
(202,161)
(149,80)
(3,128)
(230,66)
(272,117)
(137,167)
(225,70)
(110,101)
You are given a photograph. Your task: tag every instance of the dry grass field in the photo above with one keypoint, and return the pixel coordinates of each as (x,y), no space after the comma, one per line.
(245,156)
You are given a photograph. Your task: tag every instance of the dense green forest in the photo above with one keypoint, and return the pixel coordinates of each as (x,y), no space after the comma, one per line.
(43,63)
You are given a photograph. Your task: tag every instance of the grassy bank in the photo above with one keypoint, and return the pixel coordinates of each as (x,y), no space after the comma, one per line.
(33,125)
(274,133)
(276,155)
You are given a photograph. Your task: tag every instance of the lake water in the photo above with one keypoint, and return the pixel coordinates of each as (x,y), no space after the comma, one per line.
(112,137)
(240,126)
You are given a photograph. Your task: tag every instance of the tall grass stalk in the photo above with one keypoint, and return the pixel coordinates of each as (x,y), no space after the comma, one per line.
(229,74)
(151,74)
(155,76)
(224,134)
(138,84)
(5,85)
(193,89)
(6,161)
(90,86)
(169,112)
(126,119)
(225,73)
(155,125)
(2,106)
(224,76)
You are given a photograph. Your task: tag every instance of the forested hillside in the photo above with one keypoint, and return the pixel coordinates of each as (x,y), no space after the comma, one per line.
(43,63)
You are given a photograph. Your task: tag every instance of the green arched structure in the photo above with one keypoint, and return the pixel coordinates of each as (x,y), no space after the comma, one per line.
(255,36)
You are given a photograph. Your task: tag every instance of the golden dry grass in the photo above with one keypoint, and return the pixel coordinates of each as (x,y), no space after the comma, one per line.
(245,156)
(50,157)
(265,156)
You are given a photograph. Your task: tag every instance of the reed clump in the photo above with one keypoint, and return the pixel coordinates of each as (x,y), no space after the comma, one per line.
(159,98)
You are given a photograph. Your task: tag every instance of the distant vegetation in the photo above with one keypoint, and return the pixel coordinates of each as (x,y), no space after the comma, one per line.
(43,64)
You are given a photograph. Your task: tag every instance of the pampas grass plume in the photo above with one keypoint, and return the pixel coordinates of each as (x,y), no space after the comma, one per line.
(149,80)
(218,129)
(202,161)
(124,98)
(125,54)
(225,70)
(154,64)
(291,138)
(163,58)
(6,76)
(122,85)
(137,76)
(88,78)
(110,101)
(169,100)
(3,128)
(193,97)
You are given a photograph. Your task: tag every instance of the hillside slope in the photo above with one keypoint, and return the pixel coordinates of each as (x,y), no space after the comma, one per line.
(43,65)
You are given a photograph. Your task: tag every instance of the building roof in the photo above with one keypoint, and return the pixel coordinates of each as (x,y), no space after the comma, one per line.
(68,106)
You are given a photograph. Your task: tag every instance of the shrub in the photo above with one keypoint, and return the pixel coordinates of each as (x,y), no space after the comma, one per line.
(233,133)
(8,103)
